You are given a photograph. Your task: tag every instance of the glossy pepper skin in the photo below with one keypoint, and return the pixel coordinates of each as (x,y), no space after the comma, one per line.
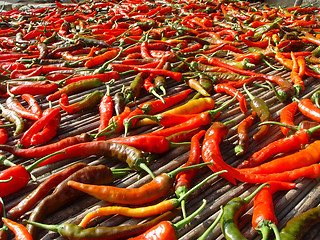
(287,116)
(75,232)
(90,101)
(63,193)
(263,217)
(130,155)
(42,151)
(13,117)
(262,110)
(298,226)
(243,136)
(160,186)
(231,212)
(210,151)
(41,191)
(19,230)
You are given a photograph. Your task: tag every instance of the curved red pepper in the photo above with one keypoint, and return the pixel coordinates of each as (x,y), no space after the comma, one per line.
(25,140)
(224,87)
(287,116)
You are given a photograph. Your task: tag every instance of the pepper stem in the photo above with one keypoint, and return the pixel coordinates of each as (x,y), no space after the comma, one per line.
(36,163)
(6,180)
(205,235)
(156,118)
(116,173)
(163,89)
(188,219)
(216,111)
(247,92)
(144,167)
(184,196)
(294,128)
(309,131)
(248,198)
(183,208)
(7,125)
(275,231)
(154,92)
(53,228)
(182,169)
(5,162)
(177,144)
(315,97)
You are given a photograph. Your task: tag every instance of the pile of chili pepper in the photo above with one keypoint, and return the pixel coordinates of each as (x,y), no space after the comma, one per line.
(139,81)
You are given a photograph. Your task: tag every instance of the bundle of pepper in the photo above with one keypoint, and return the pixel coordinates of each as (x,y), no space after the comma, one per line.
(61,59)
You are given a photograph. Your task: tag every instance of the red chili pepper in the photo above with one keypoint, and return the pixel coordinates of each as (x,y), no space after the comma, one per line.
(28,73)
(104,77)
(25,140)
(260,44)
(106,112)
(100,59)
(13,104)
(20,232)
(144,50)
(263,215)
(295,77)
(177,76)
(160,186)
(224,87)
(20,176)
(154,107)
(38,152)
(33,104)
(3,134)
(199,120)
(283,145)
(183,179)
(308,109)
(167,230)
(41,89)
(48,132)
(210,151)
(287,116)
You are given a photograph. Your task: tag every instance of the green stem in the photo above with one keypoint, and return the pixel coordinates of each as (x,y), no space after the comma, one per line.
(182,169)
(163,89)
(275,231)
(248,198)
(177,144)
(7,125)
(144,167)
(184,196)
(53,228)
(116,173)
(6,180)
(215,111)
(247,92)
(36,163)
(154,92)
(205,235)
(188,219)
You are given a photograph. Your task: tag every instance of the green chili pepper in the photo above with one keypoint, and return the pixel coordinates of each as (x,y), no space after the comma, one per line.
(133,90)
(262,110)
(72,231)
(266,27)
(13,117)
(298,226)
(231,211)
